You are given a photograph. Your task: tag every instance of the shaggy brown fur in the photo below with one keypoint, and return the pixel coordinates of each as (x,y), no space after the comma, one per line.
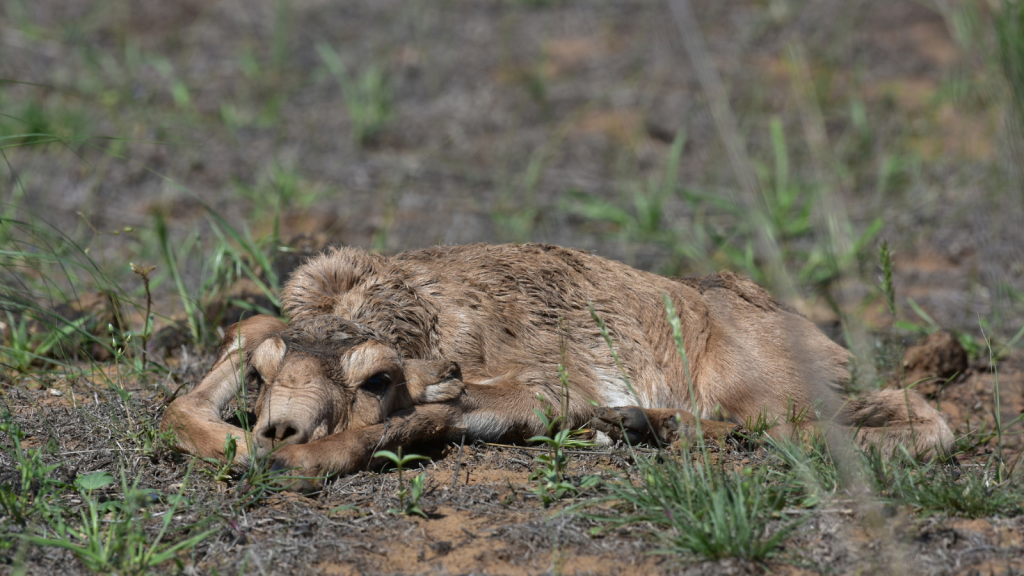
(508,316)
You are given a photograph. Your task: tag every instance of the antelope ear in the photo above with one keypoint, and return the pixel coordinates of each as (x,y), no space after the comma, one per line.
(433,380)
(249,334)
(255,342)
(267,357)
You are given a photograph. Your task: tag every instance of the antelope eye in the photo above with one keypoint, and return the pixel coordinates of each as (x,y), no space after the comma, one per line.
(253,376)
(377,384)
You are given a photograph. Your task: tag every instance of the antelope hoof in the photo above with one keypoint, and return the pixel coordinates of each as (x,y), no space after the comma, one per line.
(627,423)
(290,473)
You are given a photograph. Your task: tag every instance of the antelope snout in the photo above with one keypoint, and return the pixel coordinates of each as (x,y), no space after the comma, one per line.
(280,431)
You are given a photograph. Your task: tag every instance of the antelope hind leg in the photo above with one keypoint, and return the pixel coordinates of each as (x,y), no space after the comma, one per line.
(891,417)
(657,425)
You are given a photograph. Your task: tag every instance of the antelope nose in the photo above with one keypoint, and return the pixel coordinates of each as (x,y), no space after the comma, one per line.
(283,431)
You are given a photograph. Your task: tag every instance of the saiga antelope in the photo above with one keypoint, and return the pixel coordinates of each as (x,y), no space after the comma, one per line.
(436,343)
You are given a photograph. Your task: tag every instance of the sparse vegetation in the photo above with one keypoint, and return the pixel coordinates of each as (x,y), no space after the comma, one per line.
(408,495)
(158,161)
(110,535)
(31,493)
(551,467)
(941,488)
(549,475)
(367,96)
(701,511)
(106,534)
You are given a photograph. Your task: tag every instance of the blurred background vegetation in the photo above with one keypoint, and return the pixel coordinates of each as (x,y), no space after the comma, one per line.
(783,139)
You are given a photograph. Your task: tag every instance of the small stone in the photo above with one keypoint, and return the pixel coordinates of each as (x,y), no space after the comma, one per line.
(441,548)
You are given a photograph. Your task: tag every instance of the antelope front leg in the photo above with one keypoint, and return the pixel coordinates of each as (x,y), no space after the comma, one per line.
(499,411)
(483,412)
(351,450)
(195,417)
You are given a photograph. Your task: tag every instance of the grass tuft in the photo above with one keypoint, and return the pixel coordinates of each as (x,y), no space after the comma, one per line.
(698,510)
(367,96)
(940,488)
